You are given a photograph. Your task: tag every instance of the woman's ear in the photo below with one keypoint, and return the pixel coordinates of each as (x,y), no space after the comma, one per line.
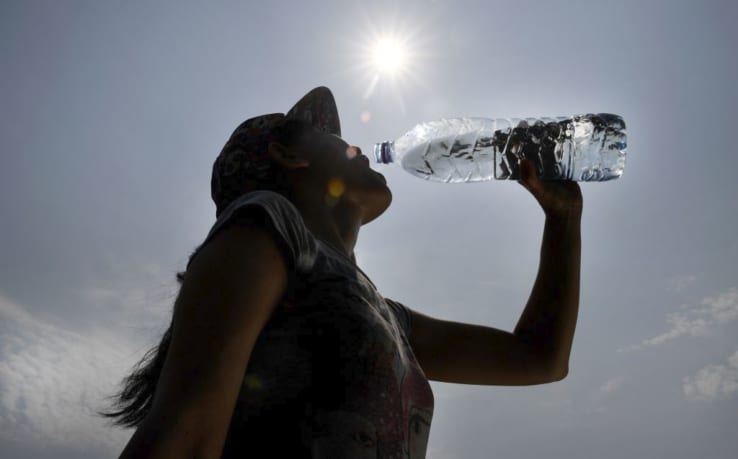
(286,157)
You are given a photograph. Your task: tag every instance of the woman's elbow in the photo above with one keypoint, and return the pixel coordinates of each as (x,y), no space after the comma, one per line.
(558,374)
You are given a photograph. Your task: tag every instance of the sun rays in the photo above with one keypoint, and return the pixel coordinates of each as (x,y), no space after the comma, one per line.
(387,55)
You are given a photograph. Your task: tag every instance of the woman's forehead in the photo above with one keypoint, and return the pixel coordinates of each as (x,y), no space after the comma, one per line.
(332,140)
(318,141)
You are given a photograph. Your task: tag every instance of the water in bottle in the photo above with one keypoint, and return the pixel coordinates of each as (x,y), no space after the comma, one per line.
(582,148)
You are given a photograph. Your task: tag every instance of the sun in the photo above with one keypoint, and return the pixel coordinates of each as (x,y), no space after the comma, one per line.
(389,56)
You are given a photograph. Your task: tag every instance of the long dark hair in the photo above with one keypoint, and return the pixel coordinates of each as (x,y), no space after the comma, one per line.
(133,402)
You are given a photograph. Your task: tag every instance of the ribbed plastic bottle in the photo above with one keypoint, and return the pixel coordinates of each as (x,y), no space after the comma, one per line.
(583,148)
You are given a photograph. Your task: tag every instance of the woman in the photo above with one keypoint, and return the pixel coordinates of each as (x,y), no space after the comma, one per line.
(280,346)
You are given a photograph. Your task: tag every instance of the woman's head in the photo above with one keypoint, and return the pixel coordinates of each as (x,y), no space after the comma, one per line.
(294,152)
(324,168)
(244,163)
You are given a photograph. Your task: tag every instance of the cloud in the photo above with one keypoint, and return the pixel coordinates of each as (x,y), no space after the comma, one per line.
(55,373)
(679,283)
(53,379)
(128,291)
(612,385)
(723,308)
(696,321)
(681,325)
(713,382)
(600,399)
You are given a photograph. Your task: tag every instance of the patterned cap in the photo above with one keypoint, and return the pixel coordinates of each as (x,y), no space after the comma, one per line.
(244,165)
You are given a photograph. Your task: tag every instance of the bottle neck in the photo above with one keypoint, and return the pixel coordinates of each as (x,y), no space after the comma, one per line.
(384,152)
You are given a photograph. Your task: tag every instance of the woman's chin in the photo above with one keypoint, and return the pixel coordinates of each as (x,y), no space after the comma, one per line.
(377,204)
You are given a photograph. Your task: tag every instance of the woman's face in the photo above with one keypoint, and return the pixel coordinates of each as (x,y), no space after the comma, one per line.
(344,171)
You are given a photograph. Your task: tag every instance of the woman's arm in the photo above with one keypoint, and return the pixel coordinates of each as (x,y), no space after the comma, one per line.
(549,318)
(538,350)
(227,296)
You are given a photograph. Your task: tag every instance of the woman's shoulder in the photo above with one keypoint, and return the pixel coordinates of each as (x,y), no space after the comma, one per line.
(264,198)
(279,216)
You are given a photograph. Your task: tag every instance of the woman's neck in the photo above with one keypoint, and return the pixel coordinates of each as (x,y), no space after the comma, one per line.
(336,225)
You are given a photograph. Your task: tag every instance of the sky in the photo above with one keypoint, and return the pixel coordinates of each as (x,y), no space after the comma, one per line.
(113,113)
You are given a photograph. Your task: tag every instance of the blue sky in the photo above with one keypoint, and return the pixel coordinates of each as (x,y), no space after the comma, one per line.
(113,112)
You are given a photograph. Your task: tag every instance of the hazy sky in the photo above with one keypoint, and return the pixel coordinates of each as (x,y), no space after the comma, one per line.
(113,112)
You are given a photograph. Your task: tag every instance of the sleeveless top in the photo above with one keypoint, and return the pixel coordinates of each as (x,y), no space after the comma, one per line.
(332,374)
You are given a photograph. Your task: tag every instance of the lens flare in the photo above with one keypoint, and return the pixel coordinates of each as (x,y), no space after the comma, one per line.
(336,187)
(351,152)
(252,382)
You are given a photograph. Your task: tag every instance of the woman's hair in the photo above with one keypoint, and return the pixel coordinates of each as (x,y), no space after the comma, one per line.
(250,167)
(133,402)
(288,133)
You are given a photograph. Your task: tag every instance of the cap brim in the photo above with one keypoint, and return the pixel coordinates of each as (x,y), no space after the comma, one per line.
(318,107)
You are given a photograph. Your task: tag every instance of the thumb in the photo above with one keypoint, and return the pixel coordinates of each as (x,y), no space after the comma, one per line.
(529,177)
(527,171)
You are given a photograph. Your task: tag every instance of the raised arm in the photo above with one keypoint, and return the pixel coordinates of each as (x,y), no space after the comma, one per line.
(549,319)
(537,351)
(228,294)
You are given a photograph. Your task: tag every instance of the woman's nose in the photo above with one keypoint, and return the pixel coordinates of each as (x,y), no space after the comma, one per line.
(353,151)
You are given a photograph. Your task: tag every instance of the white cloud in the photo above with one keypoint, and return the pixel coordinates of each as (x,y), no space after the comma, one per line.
(696,321)
(612,385)
(722,308)
(733,360)
(679,283)
(681,325)
(52,380)
(130,288)
(713,382)
(600,399)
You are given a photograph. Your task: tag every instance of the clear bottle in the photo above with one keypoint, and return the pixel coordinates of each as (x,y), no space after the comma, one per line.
(582,148)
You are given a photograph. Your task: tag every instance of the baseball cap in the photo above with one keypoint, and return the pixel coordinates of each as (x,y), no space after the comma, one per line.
(243,164)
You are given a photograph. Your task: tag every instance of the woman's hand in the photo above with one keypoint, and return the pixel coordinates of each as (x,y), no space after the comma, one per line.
(558,199)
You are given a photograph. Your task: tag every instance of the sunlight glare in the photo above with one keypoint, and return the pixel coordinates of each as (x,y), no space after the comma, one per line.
(389,56)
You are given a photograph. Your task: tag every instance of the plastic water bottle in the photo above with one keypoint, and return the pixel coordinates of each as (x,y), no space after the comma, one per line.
(582,148)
